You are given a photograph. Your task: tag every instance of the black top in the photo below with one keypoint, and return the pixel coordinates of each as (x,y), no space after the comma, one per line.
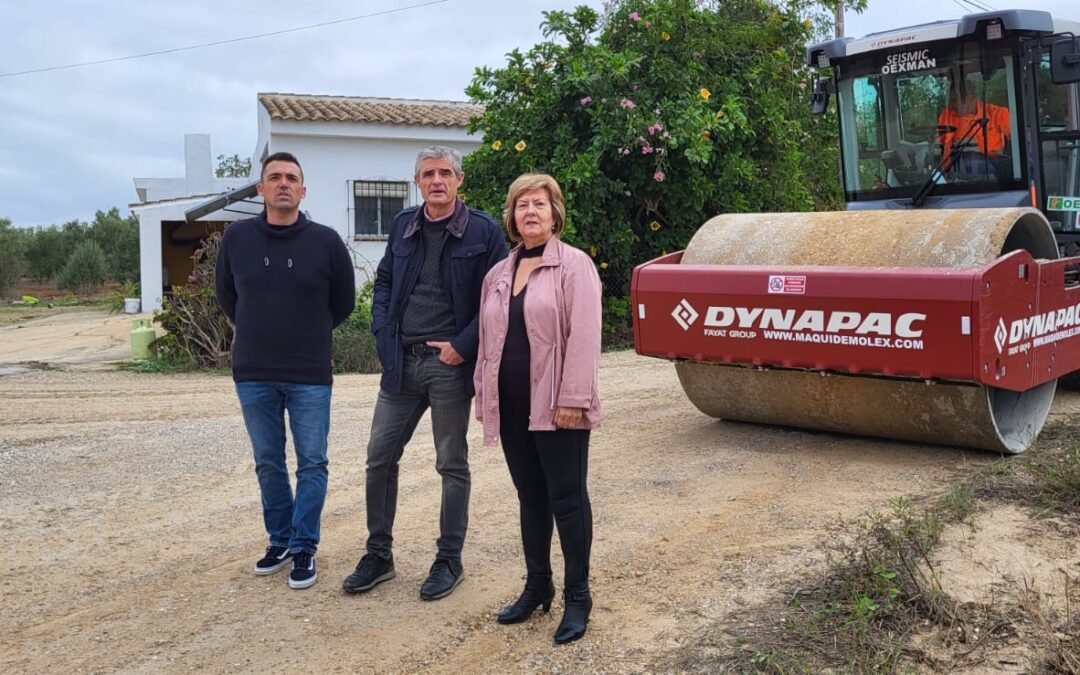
(514,370)
(429,314)
(285,289)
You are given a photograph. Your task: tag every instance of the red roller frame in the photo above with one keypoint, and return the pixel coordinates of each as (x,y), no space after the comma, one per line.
(1013,324)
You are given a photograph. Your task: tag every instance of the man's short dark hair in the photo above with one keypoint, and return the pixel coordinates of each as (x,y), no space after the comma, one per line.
(282,157)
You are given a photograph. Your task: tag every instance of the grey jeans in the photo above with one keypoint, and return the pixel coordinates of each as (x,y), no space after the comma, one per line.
(427,383)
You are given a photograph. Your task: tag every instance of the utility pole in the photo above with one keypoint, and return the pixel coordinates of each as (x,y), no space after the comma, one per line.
(840,19)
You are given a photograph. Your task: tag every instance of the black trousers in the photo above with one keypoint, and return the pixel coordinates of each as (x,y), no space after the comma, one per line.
(549,470)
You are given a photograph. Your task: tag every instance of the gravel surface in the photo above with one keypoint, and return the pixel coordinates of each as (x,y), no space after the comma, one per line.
(132,518)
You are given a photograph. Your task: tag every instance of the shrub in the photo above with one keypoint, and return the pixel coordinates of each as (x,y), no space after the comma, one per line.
(618,330)
(199,333)
(12,262)
(354,345)
(46,254)
(86,269)
(119,238)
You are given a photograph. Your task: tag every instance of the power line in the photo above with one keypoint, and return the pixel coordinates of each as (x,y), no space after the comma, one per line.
(980,6)
(223,42)
(968,5)
(963,8)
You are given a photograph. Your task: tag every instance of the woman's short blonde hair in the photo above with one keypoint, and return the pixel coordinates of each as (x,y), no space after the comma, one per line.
(534,181)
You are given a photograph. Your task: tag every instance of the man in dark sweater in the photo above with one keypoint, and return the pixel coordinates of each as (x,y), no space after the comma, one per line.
(424,316)
(285,282)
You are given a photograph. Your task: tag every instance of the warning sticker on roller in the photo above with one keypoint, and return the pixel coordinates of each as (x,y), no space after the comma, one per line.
(782,284)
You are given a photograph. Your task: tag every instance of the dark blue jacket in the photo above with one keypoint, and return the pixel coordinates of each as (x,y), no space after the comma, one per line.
(473,243)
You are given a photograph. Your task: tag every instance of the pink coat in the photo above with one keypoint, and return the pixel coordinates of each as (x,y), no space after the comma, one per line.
(563,318)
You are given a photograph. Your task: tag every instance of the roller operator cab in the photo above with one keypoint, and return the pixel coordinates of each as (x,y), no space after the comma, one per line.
(980,112)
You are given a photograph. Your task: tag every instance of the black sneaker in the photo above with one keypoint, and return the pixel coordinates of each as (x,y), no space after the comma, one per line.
(276,557)
(443,578)
(303,570)
(371,571)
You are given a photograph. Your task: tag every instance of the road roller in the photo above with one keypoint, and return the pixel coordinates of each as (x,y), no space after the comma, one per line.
(943,304)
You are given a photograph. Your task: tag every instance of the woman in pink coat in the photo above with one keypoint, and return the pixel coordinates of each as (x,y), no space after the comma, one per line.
(536,387)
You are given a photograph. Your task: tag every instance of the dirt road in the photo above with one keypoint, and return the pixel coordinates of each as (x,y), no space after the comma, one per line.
(132,521)
(73,336)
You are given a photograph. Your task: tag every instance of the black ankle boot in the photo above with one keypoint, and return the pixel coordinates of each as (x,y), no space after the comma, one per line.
(538,592)
(578,605)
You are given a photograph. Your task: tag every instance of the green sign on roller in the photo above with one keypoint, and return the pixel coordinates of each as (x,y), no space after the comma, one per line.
(1063,203)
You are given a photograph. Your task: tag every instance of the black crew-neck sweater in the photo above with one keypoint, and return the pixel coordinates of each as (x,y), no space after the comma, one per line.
(285,289)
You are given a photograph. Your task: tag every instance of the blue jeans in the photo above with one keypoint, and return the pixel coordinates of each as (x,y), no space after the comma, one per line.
(426,382)
(289,522)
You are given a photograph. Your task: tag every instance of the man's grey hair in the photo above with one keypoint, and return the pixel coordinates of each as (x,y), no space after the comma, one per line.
(438,152)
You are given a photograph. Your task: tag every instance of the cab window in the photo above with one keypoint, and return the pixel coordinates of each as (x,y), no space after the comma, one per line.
(1059,140)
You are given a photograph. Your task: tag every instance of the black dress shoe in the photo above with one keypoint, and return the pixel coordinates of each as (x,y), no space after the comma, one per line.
(578,605)
(369,573)
(444,577)
(539,591)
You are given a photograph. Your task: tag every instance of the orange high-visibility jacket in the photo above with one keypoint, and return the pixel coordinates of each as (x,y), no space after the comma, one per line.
(997,128)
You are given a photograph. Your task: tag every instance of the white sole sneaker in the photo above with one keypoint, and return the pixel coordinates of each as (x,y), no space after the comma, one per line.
(297,585)
(266,571)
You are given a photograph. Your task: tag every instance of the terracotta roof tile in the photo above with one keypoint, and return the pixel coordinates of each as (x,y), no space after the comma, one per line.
(370,110)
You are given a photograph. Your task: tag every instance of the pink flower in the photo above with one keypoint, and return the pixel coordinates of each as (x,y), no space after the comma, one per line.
(802,84)
(697,55)
(648,24)
(647,150)
(654,128)
(665,135)
(628,104)
(586,101)
(634,16)
(658,176)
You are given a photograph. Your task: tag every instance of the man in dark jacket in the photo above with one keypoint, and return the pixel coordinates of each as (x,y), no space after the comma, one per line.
(285,282)
(424,316)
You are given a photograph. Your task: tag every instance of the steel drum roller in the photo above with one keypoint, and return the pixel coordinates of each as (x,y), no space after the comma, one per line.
(949,414)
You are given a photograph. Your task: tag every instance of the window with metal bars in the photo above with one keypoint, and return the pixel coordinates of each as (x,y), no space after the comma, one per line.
(375,203)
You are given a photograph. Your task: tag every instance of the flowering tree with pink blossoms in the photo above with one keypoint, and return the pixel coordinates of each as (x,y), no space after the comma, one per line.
(654,116)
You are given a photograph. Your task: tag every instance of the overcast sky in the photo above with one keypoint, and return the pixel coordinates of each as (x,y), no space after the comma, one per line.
(71,141)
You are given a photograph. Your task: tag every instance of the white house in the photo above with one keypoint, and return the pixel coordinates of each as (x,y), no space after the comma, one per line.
(358,155)
(166,240)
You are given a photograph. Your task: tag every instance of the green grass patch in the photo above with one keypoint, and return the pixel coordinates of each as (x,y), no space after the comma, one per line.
(1046,478)
(879,589)
(160,366)
(859,615)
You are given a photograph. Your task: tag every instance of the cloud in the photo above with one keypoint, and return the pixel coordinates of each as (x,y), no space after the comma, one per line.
(79,136)
(72,140)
